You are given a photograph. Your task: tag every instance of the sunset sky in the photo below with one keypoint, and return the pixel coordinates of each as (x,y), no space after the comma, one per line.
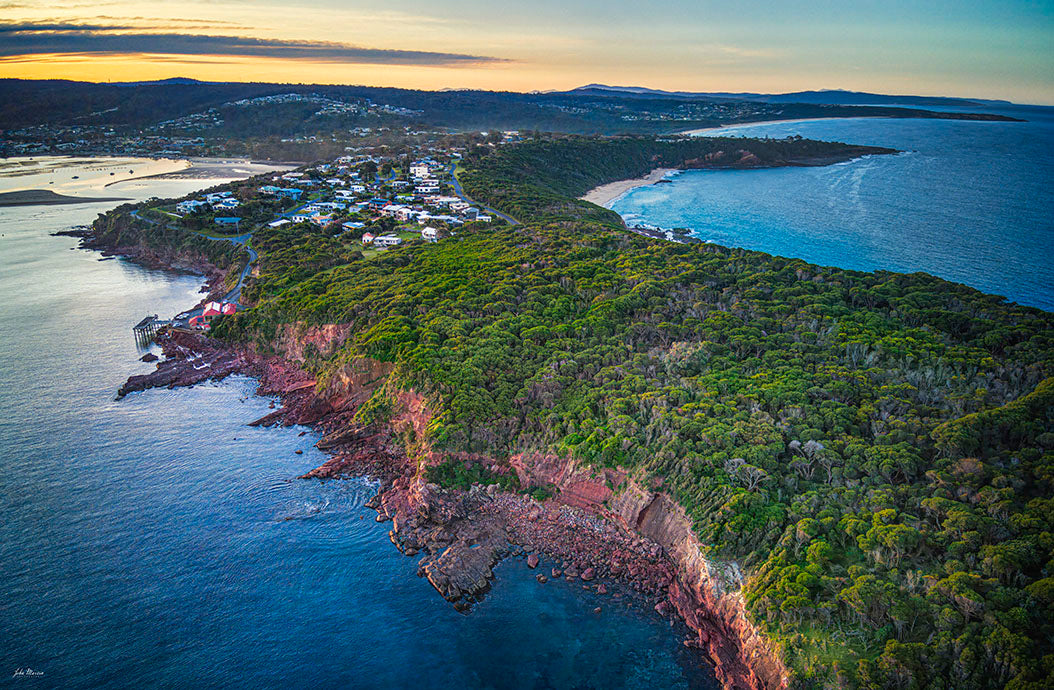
(978,48)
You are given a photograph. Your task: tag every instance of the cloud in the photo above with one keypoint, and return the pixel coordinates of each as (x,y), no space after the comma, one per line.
(26,41)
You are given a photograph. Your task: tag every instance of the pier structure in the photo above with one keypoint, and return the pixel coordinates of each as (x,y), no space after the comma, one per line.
(146,329)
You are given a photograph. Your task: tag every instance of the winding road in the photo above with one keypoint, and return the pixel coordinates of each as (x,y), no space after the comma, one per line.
(461,195)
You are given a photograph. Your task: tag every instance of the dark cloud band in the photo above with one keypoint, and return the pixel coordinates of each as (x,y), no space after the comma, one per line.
(23,40)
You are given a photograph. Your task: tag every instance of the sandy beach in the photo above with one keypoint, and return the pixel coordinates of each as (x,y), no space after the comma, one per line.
(605,194)
(738,125)
(221,169)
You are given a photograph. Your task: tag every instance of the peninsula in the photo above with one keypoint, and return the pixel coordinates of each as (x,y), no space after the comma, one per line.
(832,476)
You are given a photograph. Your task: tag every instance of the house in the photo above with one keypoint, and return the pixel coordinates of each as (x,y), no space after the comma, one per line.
(418,170)
(367,238)
(278,223)
(228,220)
(225,204)
(210,311)
(300,217)
(385,241)
(291,192)
(405,213)
(377,203)
(189,206)
(429,234)
(352,225)
(322,221)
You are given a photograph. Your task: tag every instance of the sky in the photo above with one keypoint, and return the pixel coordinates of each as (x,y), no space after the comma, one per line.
(971,48)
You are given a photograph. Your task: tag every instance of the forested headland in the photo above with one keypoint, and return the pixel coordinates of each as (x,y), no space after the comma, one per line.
(875,450)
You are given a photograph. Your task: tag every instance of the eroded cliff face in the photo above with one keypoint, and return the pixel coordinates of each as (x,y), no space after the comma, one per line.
(706,595)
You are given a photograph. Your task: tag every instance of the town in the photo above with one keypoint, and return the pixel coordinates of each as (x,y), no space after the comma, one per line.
(371,202)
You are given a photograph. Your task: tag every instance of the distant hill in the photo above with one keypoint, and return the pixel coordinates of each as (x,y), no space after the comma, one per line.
(822,97)
(226,110)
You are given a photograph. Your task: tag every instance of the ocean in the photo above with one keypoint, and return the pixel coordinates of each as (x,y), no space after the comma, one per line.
(157,541)
(971,202)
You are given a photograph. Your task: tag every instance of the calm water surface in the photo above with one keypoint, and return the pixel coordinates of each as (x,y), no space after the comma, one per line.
(160,542)
(972,202)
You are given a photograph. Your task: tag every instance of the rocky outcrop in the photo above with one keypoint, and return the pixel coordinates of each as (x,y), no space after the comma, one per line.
(188,360)
(578,487)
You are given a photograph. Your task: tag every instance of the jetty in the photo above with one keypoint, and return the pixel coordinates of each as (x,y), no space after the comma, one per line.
(146,329)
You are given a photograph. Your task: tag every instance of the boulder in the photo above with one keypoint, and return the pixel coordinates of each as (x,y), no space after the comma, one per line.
(588,574)
(532,561)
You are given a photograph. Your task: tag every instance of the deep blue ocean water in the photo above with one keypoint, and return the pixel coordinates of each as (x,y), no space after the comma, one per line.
(972,202)
(160,542)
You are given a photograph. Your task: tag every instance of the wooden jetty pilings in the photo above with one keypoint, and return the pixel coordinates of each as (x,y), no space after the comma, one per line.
(146,329)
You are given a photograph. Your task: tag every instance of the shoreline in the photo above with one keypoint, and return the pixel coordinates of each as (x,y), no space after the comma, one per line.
(215,169)
(738,125)
(587,534)
(606,194)
(632,543)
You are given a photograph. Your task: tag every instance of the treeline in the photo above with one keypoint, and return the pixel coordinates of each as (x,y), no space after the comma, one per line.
(876,450)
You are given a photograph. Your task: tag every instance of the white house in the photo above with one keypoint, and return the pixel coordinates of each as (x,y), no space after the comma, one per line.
(418,170)
(189,206)
(429,234)
(278,223)
(225,204)
(385,241)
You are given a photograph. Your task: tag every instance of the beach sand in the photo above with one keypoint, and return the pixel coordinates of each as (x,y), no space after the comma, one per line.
(222,169)
(738,125)
(605,194)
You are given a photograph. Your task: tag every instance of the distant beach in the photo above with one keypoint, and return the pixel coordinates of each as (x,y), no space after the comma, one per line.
(607,193)
(221,169)
(737,125)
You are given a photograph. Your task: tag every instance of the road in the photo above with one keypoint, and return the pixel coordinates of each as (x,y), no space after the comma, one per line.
(235,294)
(461,195)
